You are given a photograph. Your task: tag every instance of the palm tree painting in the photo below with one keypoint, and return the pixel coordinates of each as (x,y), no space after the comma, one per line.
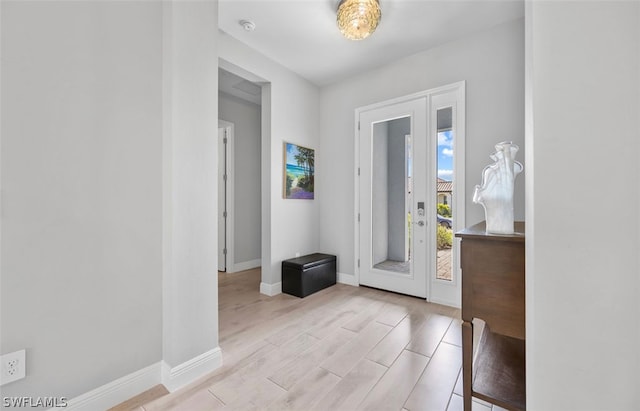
(299,166)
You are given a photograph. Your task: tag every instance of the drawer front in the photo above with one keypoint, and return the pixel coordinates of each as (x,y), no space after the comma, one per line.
(493,285)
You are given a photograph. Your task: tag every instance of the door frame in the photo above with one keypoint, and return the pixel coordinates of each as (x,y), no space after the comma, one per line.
(229,193)
(459,201)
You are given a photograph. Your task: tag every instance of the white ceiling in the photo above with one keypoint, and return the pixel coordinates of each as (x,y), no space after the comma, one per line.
(302,34)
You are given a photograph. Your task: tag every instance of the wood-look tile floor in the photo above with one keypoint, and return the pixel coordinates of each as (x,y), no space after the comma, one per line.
(343,348)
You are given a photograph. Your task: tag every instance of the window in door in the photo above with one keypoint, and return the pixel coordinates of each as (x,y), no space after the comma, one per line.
(391,192)
(444,234)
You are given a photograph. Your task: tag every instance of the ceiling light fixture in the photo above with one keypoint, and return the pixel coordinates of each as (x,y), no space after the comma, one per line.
(357,19)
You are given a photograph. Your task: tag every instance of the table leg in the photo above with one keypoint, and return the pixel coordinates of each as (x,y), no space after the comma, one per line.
(467,359)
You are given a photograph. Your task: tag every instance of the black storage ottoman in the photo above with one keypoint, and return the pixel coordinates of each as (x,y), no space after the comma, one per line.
(305,275)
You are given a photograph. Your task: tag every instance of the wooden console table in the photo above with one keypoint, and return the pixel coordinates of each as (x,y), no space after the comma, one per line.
(493,291)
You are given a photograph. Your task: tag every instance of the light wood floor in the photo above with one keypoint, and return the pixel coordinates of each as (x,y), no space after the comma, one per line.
(343,348)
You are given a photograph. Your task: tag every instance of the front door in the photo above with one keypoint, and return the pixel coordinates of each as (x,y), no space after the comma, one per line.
(410,194)
(394,175)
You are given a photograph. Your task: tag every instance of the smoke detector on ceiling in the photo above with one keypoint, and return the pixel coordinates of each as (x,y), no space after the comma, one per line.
(247,25)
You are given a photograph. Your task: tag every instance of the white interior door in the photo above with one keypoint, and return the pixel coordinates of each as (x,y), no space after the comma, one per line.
(222,200)
(394,207)
(226,202)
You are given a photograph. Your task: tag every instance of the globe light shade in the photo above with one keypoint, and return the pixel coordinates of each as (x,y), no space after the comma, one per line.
(357,19)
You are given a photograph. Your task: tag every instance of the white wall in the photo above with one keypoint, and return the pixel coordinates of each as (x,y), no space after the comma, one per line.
(81,192)
(294,108)
(583,291)
(190,202)
(491,62)
(109,161)
(247,223)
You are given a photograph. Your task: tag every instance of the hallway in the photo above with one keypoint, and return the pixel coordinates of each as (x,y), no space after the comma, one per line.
(343,348)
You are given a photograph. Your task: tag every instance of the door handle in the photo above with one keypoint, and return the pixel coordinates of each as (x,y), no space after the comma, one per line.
(421,223)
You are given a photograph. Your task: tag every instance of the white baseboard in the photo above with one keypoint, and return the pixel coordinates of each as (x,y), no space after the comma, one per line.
(445,302)
(347,279)
(187,372)
(117,391)
(245,265)
(122,389)
(271,289)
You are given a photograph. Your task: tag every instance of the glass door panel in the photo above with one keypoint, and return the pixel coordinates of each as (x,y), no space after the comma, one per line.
(391,195)
(444,184)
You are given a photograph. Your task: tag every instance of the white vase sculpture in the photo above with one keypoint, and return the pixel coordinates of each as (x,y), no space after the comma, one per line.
(496,192)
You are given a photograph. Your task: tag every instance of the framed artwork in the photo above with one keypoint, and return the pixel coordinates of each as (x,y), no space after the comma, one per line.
(298,172)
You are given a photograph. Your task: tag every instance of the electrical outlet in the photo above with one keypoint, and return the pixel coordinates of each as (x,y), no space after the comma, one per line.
(12,367)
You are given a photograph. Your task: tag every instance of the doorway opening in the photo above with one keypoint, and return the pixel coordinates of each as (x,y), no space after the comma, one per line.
(240,172)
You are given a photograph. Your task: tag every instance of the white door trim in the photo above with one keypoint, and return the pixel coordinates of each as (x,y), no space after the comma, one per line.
(459,168)
(269,269)
(229,238)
